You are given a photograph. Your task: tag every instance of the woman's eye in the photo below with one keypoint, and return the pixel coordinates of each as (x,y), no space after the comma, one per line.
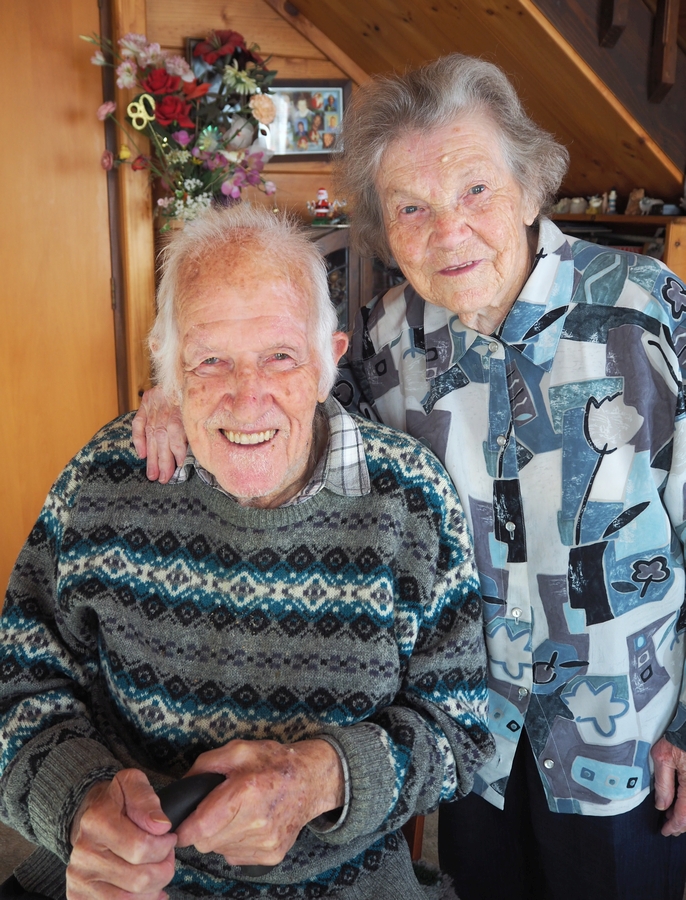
(477,189)
(408,210)
(210,361)
(281,357)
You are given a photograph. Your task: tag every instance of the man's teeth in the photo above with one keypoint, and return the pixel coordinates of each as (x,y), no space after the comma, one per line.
(242,437)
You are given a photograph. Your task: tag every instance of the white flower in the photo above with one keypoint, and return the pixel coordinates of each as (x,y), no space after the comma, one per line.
(126,74)
(239,80)
(177,65)
(178,157)
(98,58)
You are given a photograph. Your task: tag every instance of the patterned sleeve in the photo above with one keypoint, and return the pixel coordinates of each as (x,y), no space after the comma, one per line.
(427,744)
(50,754)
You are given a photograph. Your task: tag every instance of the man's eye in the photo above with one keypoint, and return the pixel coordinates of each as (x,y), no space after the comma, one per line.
(280,357)
(210,361)
(477,189)
(408,210)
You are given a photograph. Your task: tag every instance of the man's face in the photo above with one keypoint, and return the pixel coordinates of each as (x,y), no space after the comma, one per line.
(250,376)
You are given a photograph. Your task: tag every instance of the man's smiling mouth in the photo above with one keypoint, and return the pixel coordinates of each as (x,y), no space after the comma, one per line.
(244,437)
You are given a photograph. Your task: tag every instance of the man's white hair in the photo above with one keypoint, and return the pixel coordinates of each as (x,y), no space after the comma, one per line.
(279,239)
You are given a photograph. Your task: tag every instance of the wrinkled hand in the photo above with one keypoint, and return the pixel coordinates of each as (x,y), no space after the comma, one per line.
(271,792)
(120,845)
(670,779)
(158,433)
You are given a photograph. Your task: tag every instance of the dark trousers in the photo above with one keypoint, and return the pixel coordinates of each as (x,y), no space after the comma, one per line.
(527,852)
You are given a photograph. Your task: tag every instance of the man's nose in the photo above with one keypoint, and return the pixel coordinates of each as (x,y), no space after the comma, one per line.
(245,393)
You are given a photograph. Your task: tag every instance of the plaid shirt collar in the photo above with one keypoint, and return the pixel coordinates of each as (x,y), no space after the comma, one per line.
(342,467)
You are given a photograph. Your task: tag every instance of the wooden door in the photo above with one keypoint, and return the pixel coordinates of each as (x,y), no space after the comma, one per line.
(57,361)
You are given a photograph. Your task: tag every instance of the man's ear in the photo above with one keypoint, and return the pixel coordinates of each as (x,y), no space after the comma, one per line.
(340,344)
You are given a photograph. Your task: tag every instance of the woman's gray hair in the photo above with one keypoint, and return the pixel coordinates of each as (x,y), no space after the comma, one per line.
(431,97)
(284,246)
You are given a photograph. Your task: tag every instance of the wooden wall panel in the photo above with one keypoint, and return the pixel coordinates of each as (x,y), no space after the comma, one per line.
(608,145)
(57,363)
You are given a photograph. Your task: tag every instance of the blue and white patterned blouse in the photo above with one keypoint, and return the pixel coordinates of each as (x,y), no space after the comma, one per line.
(565,434)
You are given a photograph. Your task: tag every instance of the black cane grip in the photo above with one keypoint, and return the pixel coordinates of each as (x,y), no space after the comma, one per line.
(180,798)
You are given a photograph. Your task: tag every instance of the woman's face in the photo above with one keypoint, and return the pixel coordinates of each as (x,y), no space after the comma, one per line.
(456,219)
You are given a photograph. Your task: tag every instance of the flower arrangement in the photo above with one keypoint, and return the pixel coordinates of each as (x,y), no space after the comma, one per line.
(204,126)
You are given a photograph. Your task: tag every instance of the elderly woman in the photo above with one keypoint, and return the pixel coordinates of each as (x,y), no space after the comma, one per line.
(546,373)
(299,612)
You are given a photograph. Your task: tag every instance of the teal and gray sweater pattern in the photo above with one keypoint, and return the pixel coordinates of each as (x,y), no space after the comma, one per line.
(145,624)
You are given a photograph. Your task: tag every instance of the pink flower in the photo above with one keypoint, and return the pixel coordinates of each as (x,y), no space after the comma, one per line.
(182,137)
(269,187)
(151,55)
(107,160)
(131,44)
(105,109)
(126,74)
(231,190)
(177,65)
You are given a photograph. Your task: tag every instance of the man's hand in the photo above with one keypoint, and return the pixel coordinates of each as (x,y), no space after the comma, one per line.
(271,792)
(670,779)
(120,843)
(158,433)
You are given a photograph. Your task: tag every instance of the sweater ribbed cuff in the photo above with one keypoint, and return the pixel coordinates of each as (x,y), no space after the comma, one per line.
(372,780)
(62,781)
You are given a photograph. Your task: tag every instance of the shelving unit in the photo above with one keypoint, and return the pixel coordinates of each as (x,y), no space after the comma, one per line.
(620,230)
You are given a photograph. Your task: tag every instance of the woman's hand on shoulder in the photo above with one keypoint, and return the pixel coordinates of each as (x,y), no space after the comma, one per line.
(159,435)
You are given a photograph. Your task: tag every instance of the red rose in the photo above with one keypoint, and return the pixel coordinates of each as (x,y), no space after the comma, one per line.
(219,43)
(173,109)
(160,81)
(140,162)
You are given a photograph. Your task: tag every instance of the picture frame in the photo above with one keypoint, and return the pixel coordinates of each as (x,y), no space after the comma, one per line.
(308,118)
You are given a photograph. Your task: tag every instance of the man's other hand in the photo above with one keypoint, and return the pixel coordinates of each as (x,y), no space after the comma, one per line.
(121,845)
(271,792)
(159,435)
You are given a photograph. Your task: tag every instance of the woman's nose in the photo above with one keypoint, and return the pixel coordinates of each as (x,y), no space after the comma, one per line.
(450,227)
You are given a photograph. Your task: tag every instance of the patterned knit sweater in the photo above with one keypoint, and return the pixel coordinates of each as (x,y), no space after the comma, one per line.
(146,624)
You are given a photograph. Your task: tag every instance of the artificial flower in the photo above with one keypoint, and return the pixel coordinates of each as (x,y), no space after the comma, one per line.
(107,160)
(182,137)
(126,74)
(161,82)
(105,109)
(218,44)
(269,187)
(124,153)
(238,79)
(263,108)
(173,109)
(151,55)
(208,139)
(131,45)
(98,58)
(140,162)
(194,91)
(177,65)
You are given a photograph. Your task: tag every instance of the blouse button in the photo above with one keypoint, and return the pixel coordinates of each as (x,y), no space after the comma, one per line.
(549,763)
(501,440)
(493,347)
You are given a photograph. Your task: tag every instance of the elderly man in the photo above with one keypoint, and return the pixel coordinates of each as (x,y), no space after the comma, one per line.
(299,612)
(548,375)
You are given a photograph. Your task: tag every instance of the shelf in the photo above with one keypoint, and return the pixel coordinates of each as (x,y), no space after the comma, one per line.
(618,218)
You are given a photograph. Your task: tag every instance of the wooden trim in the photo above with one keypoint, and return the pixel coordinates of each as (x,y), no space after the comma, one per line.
(664,51)
(613,18)
(413,830)
(318,39)
(599,86)
(136,231)
(117,278)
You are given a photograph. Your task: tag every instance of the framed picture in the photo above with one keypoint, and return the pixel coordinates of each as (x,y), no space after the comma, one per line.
(308,118)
